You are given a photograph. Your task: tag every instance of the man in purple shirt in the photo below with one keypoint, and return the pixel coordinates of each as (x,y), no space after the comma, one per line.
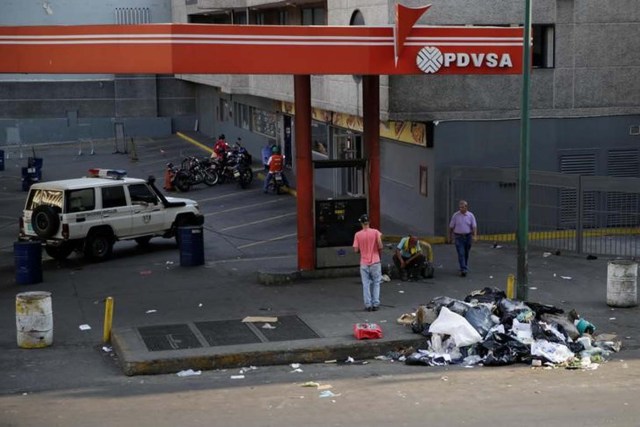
(464,229)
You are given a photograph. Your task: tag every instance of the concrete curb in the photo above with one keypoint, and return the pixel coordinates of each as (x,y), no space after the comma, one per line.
(135,362)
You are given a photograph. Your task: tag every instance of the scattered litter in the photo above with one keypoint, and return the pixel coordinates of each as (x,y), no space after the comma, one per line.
(406,319)
(490,277)
(382,357)
(444,378)
(260,319)
(328,393)
(200,305)
(401,292)
(386,278)
(151,311)
(350,360)
(295,365)
(364,331)
(107,349)
(536,363)
(188,373)
(84,327)
(25,394)
(296,371)
(268,326)
(325,387)
(237,377)
(331,361)
(169,263)
(566,277)
(533,288)
(555,275)
(497,246)
(612,318)
(310,384)
(247,369)
(145,272)
(546,254)
(591,257)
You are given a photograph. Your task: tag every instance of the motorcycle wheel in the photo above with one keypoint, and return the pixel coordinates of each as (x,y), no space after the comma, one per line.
(211,177)
(246,176)
(181,181)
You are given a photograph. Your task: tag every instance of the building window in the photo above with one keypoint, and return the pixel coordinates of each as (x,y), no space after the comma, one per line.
(314,16)
(240,17)
(260,18)
(283,17)
(263,122)
(241,116)
(223,110)
(132,15)
(543,55)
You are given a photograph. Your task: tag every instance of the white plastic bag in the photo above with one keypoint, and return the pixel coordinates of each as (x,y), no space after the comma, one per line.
(553,352)
(450,323)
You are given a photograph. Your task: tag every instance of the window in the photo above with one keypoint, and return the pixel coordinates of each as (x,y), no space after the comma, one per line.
(241,116)
(263,122)
(543,52)
(44,197)
(140,193)
(113,197)
(240,18)
(81,200)
(260,18)
(320,138)
(314,16)
(223,110)
(283,17)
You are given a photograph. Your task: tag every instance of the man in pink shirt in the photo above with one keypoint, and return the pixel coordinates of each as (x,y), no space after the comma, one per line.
(464,228)
(368,242)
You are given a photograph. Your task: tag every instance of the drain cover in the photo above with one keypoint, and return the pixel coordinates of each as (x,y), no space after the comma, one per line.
(226,332)
(289,328)
(168,337)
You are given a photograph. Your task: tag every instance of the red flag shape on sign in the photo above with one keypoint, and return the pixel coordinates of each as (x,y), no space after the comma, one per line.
(405,18)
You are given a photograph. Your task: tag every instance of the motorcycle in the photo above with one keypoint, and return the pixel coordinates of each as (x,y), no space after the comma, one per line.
(276,184)
(193,172)
(236,167)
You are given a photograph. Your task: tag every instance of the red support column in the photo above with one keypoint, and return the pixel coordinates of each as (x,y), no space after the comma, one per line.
(304,172)
(371,119)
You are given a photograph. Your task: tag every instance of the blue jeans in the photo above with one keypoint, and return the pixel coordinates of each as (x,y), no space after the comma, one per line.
(371,277)
(463,247)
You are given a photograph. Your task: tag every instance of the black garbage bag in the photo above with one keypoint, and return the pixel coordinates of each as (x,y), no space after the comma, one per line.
(438,302)
(541,309)
(508,310)
(420,328)
(486,295)
(539,332)
(458,307)
(502,349)
(480,318)
(418,359)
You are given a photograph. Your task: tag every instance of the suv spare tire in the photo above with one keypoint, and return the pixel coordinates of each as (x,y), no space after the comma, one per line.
(45,221)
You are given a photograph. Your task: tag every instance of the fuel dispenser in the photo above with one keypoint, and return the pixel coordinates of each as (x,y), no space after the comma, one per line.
(336,219)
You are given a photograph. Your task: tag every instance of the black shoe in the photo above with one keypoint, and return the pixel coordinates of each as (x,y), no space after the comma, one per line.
(368,309)
(404,276)
(376,308)
(463,273)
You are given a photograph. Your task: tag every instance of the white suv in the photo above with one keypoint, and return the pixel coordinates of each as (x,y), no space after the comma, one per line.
(90,214)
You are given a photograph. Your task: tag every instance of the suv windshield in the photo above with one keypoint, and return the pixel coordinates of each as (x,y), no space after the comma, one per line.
(44,197)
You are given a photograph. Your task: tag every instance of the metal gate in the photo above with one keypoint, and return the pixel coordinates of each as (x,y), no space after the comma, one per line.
(568,212)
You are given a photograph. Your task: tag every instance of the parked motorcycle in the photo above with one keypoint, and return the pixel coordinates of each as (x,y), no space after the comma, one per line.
(192,171)
(236,167)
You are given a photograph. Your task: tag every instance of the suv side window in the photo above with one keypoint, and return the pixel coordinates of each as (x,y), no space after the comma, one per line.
(113,197)
(81,200)
(141,193)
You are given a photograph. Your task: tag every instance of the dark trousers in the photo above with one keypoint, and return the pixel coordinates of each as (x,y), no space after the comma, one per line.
(416,262)
(463,247)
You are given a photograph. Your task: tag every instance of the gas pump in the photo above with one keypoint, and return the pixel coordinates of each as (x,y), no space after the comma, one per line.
(336,219)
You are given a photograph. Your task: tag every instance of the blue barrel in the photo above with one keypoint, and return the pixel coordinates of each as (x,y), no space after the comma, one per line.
(28,260)
(191,246)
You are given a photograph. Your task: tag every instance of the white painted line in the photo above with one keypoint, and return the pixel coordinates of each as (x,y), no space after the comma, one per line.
(237,193)
(242,207)
(232,260)
(267,241)
(257,222)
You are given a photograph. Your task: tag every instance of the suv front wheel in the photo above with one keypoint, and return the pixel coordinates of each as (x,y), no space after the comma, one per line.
(98,246)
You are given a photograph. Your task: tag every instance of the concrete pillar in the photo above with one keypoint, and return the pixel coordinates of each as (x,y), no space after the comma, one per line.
(371,123)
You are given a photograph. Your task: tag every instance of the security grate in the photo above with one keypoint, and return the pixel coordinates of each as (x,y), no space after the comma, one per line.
(168,337)
(226,332)
(289,328)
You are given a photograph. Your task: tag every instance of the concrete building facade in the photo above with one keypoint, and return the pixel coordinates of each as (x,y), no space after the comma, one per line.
(585,96)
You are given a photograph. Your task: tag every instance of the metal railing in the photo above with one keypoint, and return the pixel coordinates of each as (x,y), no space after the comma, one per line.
(576,213)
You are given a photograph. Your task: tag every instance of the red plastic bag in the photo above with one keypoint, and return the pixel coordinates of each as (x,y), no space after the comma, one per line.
(364,331)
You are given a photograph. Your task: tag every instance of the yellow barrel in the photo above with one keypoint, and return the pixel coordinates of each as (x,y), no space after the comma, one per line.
(34,319)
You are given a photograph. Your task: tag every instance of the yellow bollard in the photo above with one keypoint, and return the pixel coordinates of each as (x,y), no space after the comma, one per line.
(511,286)
(108,320)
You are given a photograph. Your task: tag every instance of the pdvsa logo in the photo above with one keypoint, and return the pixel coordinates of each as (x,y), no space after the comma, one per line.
(430,60)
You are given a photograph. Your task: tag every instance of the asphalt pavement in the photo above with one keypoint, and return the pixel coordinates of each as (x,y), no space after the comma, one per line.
(159,303)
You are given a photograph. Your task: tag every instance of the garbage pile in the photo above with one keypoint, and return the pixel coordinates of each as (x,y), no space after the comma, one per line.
(490,329)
